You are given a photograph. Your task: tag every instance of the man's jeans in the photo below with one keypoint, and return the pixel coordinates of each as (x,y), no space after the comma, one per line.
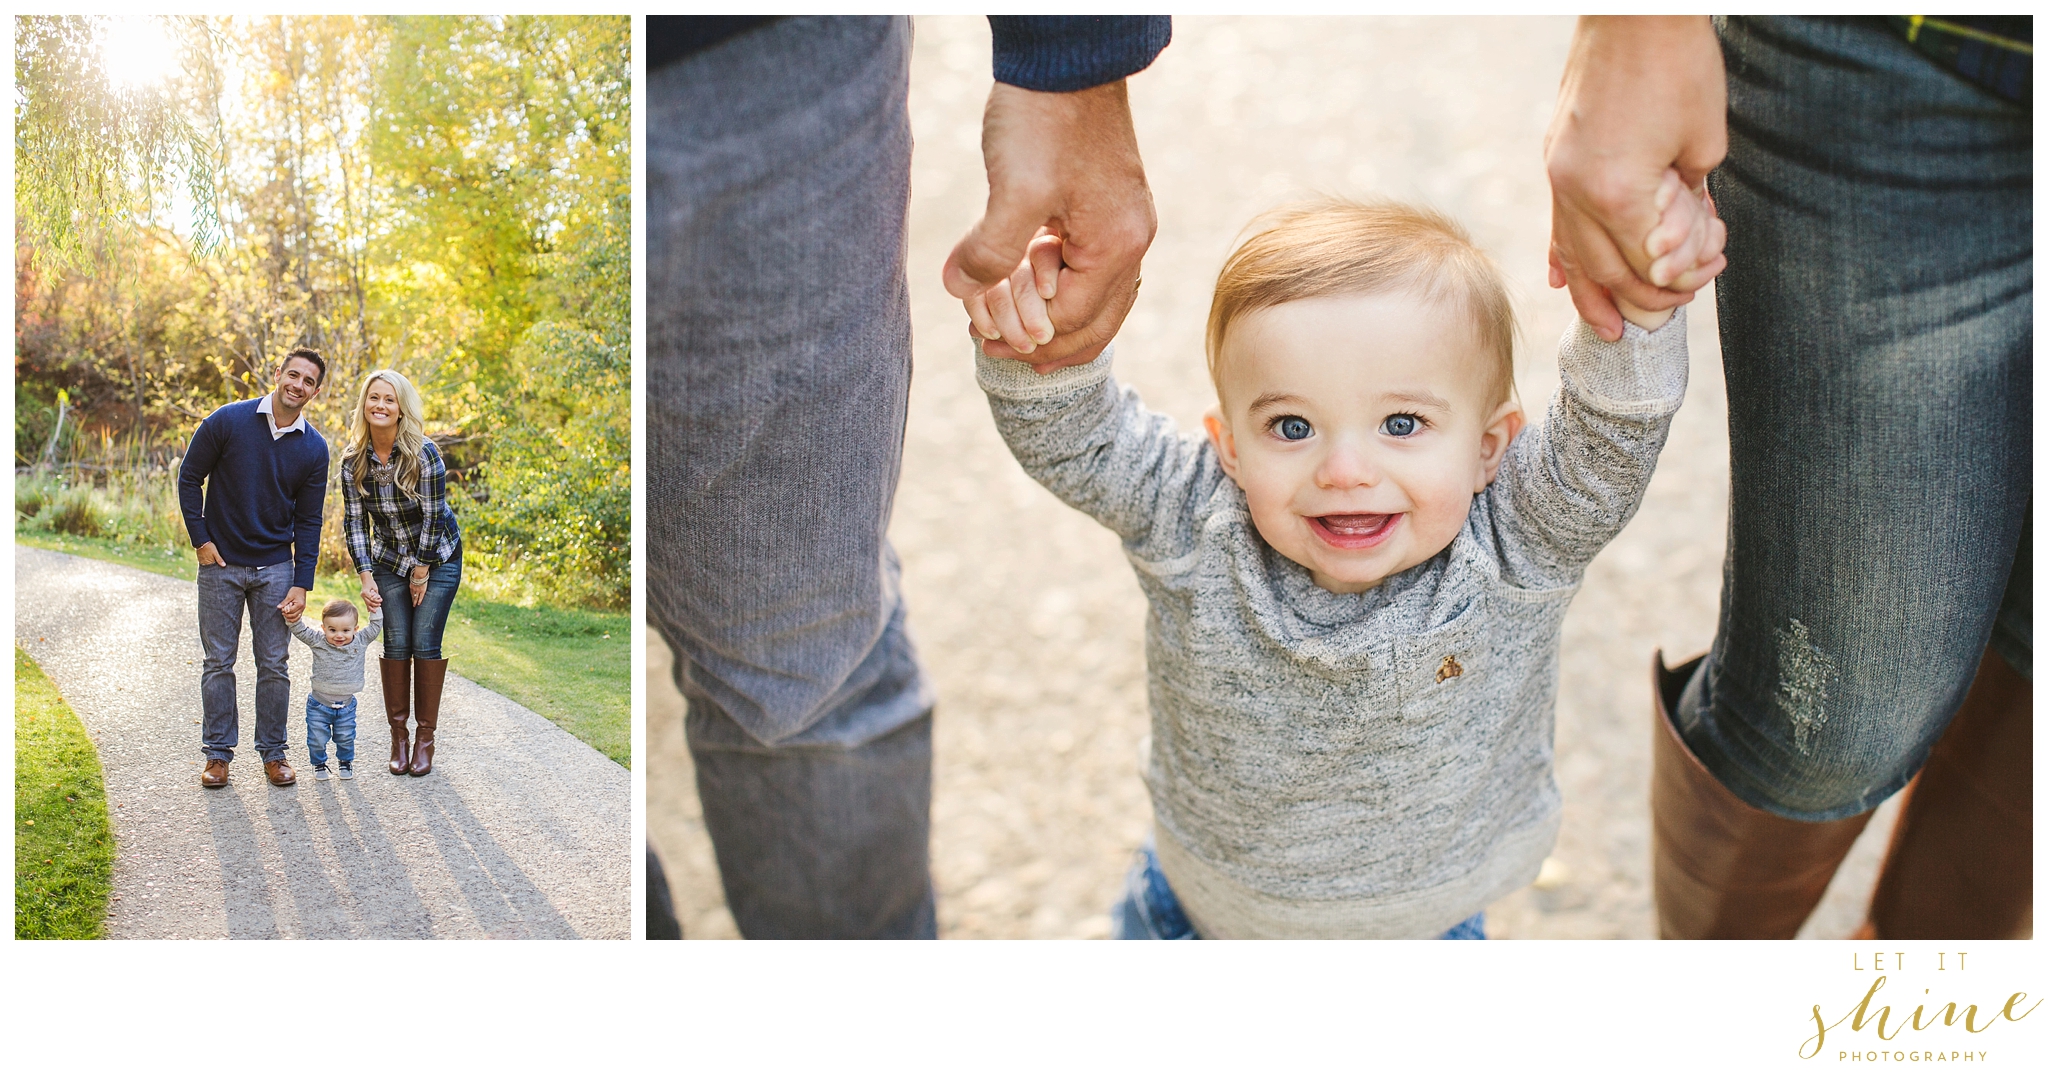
(325,722)
(1877,334)
(778,173)
(1150,911)
(414,633)
(224,591)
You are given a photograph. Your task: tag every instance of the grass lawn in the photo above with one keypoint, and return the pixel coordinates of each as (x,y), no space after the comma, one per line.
(63,847)
(572,666)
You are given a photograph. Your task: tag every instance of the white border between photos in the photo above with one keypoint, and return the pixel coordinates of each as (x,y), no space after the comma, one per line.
(977,1008)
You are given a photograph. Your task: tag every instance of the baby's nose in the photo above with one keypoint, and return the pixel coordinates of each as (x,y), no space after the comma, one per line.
(1348,464)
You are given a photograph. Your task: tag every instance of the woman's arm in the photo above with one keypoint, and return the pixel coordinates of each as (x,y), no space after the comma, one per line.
(356,529)
(433,504)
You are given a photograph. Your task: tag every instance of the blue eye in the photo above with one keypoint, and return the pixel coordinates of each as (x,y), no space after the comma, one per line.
(1292,428)
(1400,425)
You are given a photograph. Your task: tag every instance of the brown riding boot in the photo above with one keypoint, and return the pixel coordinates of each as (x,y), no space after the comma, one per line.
(427,700)
(1722,868)
(398,709)
(1961,862)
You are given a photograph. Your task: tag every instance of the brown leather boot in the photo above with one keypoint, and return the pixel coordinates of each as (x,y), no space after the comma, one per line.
(1961,862)
(398,709)
(430,674)
(1722,868)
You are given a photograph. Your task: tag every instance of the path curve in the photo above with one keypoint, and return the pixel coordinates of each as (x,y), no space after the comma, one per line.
(521,831)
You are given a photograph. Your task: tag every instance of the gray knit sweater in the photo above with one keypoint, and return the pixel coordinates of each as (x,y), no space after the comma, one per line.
(1361,765)
(338,673)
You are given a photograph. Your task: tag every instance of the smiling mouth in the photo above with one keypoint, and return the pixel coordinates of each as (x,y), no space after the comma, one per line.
(1354,530)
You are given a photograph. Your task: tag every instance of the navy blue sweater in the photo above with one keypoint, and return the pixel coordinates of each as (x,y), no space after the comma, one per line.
(1036,52)
(262,495)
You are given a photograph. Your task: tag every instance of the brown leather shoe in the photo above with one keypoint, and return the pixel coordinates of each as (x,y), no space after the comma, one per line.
(215,774)
(279,772)
(1720,867)
(428,677)
(397,676)
(1961,861)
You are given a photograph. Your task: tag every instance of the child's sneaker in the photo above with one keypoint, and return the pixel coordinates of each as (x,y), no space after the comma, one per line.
(320,772)
(346,772)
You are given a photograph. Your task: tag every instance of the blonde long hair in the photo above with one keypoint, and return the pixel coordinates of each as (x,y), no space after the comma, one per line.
(405,449)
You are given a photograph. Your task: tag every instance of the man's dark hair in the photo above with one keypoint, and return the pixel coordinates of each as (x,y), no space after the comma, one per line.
(308,354)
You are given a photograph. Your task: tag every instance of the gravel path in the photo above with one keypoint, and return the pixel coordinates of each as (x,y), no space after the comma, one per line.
(521,831)
(1027,614)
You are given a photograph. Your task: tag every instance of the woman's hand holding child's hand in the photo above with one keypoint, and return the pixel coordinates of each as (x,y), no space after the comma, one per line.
(1685,246)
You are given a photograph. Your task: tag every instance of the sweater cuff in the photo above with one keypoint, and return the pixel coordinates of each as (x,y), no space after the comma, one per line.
(1060,53)
(1643,374)
(1015,381)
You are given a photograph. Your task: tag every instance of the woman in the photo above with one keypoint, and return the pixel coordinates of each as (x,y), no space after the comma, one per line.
(406,545)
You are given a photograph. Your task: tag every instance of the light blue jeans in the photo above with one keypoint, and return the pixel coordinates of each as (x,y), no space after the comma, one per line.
(1149,910)
(778,382)
(335,722)
(1877,327)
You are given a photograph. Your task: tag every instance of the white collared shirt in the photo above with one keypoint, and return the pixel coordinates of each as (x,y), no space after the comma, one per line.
(276,433)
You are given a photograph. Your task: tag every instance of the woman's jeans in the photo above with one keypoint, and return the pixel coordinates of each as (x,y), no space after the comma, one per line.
(778,348)
(414,633)
(1877,334)
(1149,910)
(325,722)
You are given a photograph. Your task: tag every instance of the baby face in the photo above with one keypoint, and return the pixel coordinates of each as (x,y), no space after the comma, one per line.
(340,630)
(1359,428)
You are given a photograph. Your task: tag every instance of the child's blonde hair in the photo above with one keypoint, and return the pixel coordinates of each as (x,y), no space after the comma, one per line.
(338,607)
(1335,247)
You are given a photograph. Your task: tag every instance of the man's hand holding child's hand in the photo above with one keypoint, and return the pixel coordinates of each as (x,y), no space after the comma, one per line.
(1686,241)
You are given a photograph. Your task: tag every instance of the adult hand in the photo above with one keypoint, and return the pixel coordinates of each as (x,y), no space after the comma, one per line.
(294,604)
(372,599)
(210,555)
(418,588)
(1065,165)
(1641,94)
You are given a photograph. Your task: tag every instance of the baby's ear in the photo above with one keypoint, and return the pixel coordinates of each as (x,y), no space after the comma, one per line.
(1500,434)
(1221,438)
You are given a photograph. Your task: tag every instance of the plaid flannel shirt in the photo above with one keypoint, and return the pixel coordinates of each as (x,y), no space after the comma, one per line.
(386,529)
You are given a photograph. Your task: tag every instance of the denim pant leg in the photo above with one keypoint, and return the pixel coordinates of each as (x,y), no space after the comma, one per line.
(1877,333)
(778,384)
(345,732)
(319,729)
(270,641)
(220,638)
(414,633)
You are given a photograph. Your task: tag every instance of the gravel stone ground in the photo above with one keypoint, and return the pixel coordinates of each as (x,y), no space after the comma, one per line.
(1027,615)
(521,831)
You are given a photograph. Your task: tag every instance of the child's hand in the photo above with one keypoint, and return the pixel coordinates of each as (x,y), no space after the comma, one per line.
(1015,310)
(372,601)
(1685,246)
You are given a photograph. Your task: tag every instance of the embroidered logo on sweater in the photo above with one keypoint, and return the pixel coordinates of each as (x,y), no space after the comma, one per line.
(1449,669)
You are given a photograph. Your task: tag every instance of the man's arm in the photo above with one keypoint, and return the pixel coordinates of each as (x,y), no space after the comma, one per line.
(201,454)
(1640,95)
(306,530)
(1061,156)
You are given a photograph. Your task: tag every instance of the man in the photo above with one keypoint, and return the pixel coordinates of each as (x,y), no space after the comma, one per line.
(1876,325)
(778,378)
(256,528)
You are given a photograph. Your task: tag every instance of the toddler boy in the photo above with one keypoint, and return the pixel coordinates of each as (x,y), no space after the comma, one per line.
(338,652)
(1356,580)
